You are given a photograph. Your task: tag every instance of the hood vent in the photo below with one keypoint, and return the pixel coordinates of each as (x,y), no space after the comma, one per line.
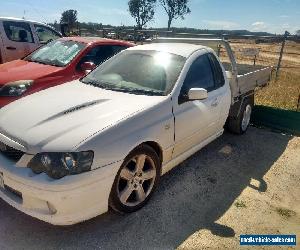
(82,106)
(71,110)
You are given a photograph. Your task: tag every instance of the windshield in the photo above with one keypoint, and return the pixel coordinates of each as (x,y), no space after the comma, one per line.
(57,53)
(138,72)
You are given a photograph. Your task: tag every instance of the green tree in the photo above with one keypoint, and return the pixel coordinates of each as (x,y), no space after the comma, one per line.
(69,17)
(175,9)
(56,25)
(142,11)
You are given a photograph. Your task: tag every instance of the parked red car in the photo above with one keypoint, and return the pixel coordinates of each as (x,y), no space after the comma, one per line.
(60,61)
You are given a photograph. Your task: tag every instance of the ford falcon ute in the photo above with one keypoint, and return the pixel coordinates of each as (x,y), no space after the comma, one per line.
(103,141)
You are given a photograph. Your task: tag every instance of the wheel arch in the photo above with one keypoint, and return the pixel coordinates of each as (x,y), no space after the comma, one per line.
(154,145)
(233,122)
(157,148)
(235,109)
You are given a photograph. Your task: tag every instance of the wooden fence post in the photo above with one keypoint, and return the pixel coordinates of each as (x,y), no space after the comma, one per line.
(281,54)
(219,50)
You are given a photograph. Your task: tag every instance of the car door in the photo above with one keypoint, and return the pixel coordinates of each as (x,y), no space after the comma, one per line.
(222,88)
(197,120)
(17,39)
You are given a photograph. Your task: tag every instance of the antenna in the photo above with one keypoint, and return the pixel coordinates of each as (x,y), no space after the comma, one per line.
(32,7)
(24,14)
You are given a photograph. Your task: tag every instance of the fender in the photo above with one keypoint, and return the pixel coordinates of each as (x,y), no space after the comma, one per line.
(235,109)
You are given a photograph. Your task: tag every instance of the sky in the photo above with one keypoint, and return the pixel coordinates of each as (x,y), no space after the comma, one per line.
(273,16)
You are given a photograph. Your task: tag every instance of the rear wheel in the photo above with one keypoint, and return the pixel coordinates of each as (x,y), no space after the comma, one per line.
(240,124)
(246,117)
(136,180)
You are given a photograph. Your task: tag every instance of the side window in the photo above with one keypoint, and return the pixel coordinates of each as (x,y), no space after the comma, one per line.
(98,54)
(45,34)
(18,31)
(217,71)
(200,75)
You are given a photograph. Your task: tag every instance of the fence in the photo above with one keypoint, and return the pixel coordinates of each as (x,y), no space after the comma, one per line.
(284,89)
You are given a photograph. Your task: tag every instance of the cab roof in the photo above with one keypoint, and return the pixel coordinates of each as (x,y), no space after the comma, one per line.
(181,49)
(23,20)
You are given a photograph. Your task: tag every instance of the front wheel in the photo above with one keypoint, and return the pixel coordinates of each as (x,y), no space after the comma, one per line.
(240,124)
(136,180)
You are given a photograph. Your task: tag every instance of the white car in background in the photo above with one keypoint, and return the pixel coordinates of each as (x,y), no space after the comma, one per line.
(19,37)
(106,139)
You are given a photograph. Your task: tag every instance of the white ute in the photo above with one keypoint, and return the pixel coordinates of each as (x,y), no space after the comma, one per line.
(105,140)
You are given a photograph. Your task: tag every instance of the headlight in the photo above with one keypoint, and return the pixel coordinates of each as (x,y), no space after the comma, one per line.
(16,88)
(58,165)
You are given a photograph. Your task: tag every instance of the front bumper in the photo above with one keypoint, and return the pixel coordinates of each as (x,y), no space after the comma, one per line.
(67,201)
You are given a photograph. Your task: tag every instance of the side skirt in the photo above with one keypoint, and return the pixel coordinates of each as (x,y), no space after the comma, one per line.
(174,162)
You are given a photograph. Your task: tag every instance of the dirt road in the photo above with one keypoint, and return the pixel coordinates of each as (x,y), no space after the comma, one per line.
(236,185)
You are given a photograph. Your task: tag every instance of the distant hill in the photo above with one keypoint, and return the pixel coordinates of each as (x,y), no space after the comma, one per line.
(90,26)
(218,32)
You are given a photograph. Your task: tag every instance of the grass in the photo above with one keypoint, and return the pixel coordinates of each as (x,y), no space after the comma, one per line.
(240,204)
(283,93)
(285,212)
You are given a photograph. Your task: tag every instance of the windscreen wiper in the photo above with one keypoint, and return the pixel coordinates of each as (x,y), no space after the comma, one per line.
(145,91)
(107,86)
(99,84)
(37,61)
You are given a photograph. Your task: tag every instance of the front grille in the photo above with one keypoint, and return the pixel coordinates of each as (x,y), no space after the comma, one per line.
(13,194)
(12,154)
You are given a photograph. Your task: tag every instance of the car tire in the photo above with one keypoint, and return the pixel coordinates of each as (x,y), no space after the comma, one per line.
(240,124)
(136,180)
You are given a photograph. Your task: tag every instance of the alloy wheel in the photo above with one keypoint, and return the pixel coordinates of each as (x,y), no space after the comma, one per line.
(246,117)
(136,180)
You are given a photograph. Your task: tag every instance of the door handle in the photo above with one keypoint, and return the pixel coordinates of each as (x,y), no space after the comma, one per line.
(215,103)
(11,48)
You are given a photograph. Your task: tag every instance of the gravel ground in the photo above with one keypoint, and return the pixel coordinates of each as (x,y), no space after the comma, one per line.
(236,185)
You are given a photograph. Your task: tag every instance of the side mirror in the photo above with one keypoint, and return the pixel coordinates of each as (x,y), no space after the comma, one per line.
(87,67)
(197,94)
